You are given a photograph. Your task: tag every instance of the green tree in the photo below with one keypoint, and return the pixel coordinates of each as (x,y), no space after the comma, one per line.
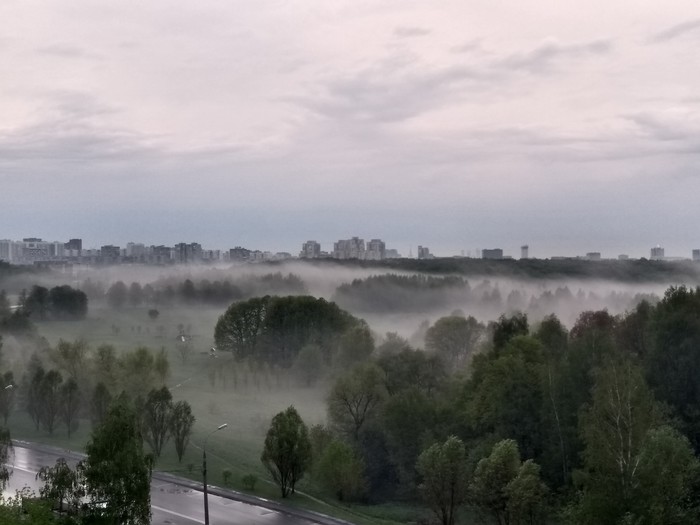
(506,328)
(61,484)
(117,295)
(34,398)
(341,470)
(7,453)
(443,469)
(70,404)
(489,486)
(181,425)
(454,338)
(7,394)
(355,345)
(67,303)
(37,303)
(135,294)
(505,394)
(287,450)
(99,404)
(668,473)
(157,419)
(355,398)
(117,473)
(614,429)
(50,399)
(673,363)
(238,329)
(161,366)
(309,364)
(526,495)
(410,368)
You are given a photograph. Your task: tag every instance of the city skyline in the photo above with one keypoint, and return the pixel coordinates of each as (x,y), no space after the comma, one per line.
(573,128)
(352,248)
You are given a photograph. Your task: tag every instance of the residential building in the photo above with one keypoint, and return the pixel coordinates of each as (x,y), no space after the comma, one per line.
(494,253)
(376,250)
(310,250)
(349,249)
(657,253)
(524,251)
(424,252)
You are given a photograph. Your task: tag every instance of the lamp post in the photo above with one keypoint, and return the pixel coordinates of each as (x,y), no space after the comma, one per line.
(204,472)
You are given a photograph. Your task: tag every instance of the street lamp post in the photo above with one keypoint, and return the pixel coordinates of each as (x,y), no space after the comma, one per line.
(204,472)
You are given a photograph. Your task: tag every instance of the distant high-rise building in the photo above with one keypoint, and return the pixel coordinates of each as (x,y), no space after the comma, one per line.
(696,255)
(74,244)
(188,253)
(349,249)
(657,253)
(524,251)
(494,253)
(110,253)
(239,254)
(310,250)
(376,250)
(11,251)
(424,252)
(593,256)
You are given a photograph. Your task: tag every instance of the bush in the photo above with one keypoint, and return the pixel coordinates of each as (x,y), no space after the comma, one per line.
(226,473)
(249,481)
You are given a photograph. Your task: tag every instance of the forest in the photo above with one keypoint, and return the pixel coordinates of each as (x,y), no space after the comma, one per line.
(492,400)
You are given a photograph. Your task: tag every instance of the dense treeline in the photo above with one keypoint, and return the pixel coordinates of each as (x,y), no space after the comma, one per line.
(400,293)
(600,423)
(630,270)
(166,292)
(282,330)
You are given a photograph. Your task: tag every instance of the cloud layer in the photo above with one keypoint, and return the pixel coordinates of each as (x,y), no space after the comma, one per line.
(572,128)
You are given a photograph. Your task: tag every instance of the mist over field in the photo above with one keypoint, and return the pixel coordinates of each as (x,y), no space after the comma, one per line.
(242,343)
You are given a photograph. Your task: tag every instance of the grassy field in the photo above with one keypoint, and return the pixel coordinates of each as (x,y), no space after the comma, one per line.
(246,401)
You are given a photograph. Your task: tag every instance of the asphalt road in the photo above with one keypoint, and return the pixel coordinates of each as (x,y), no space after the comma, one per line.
(172,503)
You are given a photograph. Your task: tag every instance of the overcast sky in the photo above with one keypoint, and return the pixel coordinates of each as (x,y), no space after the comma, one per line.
(570,126)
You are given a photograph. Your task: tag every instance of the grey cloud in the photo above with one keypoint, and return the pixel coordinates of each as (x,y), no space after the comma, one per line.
(658,129)
(395,90)
(68,51)
(542,58)
(467,47)
(410,32)
(676,31)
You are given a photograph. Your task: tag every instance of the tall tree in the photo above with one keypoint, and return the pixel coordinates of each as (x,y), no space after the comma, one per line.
(70,404)
(287,450)
(157,419)
(510,491)
(443,468)
(61,484)
(355,398)
(7,395)
(181,425)
(117,295)
(614,428)
(34,399)
(341,471)
(99,404)
(6,454)
(454,338)
(117,473)
(50,399)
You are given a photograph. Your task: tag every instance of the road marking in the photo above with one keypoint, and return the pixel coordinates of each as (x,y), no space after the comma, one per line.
(177,514)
